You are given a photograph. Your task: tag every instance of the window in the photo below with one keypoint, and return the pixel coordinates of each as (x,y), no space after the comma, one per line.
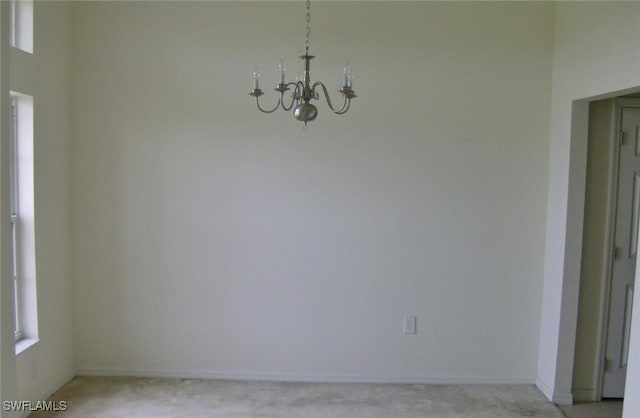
(13,165)
(22,217)
(21,30)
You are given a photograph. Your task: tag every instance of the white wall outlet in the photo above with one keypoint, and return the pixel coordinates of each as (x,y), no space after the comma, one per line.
(409,325)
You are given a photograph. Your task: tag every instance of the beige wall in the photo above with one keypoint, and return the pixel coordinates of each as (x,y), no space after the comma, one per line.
(213,240)
(8,384)
(595,56)
(42,368)
(46,76)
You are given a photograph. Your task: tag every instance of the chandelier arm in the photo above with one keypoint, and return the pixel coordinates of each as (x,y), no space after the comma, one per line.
(294,96)
(345,108)
(345,105)
(299,91)
(265,110)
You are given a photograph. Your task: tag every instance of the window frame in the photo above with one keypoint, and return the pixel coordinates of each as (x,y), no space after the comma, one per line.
(21,24)
(15,215)
(22,220)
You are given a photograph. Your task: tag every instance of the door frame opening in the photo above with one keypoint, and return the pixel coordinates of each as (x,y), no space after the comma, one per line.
(595,348)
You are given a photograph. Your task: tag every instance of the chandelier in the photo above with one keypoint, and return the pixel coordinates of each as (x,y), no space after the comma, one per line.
(303,90)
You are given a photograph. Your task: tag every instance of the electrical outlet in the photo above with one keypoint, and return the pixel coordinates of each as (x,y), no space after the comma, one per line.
(409,325)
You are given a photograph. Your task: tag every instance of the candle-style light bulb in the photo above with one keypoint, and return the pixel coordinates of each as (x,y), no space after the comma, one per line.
(281,71)
(347,79)
(256,79)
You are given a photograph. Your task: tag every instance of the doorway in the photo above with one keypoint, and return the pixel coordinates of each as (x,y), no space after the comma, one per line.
(607,253)
(624,250)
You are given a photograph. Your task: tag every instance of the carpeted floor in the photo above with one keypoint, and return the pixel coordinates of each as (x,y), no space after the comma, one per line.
(116,397)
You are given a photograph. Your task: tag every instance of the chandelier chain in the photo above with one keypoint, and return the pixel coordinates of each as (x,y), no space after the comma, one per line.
(306,42)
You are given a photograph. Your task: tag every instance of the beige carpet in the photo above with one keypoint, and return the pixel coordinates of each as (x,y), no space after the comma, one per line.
(116,397)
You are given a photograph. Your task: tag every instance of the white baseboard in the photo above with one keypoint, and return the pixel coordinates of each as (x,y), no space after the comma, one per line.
(276,377)
(562,398)
(544,388)
(585,395)
(555,397)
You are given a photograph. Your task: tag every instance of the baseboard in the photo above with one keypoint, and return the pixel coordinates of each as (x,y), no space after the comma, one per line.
(555,397)
(544,388)
(585,395)
(562,398)
(276,377)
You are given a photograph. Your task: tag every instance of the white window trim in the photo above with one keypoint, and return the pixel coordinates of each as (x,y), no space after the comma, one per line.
(21,29)
(13,175)
(22,221)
